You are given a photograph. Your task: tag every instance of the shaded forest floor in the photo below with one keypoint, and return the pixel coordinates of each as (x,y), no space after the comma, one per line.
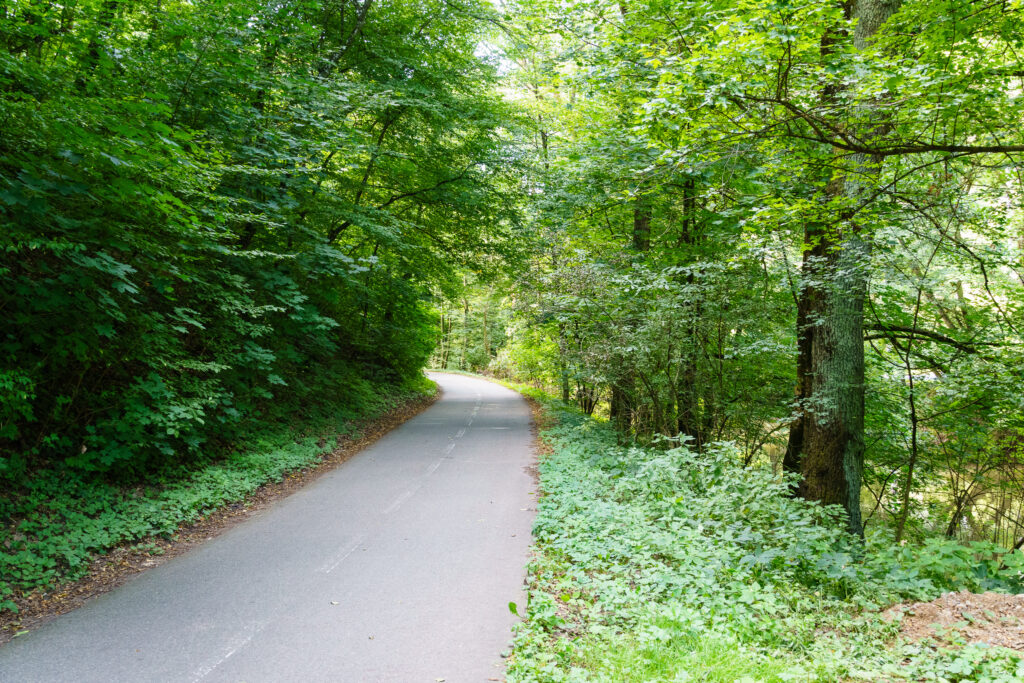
(113,568)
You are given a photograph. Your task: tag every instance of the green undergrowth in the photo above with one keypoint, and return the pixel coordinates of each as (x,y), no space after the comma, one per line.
(54,523)
(666,565)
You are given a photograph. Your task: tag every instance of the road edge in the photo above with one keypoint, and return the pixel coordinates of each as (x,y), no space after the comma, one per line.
(125,562)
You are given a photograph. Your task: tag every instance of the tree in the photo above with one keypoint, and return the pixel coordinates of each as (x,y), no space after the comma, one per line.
(787,136)
(215,212)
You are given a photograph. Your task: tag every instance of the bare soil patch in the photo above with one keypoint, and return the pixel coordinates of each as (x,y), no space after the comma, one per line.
(961,618)
(124,562)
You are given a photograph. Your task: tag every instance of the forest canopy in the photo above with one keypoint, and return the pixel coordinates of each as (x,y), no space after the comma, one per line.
(220,213)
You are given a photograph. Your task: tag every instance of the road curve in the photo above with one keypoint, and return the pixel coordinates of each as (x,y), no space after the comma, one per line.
(397,566)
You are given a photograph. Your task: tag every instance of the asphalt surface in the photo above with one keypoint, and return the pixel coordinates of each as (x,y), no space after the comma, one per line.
(397,566)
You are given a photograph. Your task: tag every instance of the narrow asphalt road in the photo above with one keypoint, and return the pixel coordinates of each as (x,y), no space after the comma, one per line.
(397,566)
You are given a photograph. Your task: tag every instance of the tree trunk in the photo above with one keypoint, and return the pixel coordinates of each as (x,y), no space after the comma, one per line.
(487,332)
(91,60)
(621,409)
(446,347)
(808,301)
(687,396)
(687,402)
(642,225)
(833,426)
(564,374)
(624,388)
(828,441)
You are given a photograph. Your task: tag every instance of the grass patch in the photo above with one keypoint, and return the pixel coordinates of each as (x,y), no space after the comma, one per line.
(679,658)
(54,523)
(655,565)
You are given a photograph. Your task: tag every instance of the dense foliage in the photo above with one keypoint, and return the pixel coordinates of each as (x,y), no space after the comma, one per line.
(792,226)
(216,213)
(672,565)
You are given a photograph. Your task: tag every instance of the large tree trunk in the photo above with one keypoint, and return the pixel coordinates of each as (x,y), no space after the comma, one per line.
(832,449)
(828,439)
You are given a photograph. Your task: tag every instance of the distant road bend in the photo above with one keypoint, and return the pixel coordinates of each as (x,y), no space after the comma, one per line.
(397,566)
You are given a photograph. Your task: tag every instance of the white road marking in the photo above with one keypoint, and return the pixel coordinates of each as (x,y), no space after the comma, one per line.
(340,556)
(239,641)
(401,499)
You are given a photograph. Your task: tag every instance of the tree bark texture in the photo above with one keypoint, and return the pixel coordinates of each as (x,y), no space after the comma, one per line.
(827,439)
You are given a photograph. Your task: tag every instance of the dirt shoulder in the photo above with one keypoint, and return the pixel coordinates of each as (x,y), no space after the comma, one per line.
(124,562)
(955,619)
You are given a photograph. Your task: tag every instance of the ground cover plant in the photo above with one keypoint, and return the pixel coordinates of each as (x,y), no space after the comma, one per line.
(668,565)
(61,518)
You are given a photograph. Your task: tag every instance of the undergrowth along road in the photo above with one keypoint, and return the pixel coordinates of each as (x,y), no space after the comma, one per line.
(70,535)
(668,565)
